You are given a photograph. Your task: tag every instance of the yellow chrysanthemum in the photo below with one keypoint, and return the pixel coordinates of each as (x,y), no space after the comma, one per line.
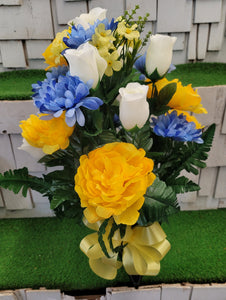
(130,33)
(112,181)
(112,63)
(189,118)
(49,135)
(185,97)
(52,53)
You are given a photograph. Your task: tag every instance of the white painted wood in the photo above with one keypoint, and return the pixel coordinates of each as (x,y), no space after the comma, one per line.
(221,183)
(143,293)
(220,104)
(13,55)
(40,210)
(217,32)
(208,293)
(173,292)
(207,181)
(174,16)
(222,203)
(223,129)
(180,42)
(7,296)
(1,200)
(217,154)
(146,6)
(37,64)
(35,48)
(209,99)
(207,11)
(192,43)
(10,2)
(203,31)
(22,158)
(7,162)
(114,8)
(12,112)
(190,196)
(69,10)
(43,295)
(31,20)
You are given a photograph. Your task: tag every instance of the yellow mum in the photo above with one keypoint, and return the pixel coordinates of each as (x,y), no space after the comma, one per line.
(49,135)
(112,181)
(185,98)
(52,53)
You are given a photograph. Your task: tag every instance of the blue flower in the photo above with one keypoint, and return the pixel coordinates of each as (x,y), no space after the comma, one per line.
(65,93)
(140,63)
(80,36)
(177,127)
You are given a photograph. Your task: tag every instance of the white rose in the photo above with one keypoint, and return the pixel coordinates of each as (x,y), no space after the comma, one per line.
(133,105)
(86,63)
(37,153)
(86,20)
(159,53)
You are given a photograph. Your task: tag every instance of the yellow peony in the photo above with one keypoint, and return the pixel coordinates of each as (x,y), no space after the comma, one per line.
(52,54)
(112,181)
(185,98)
(49,135)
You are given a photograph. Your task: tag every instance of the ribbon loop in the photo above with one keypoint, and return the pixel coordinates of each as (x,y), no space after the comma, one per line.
(145,247)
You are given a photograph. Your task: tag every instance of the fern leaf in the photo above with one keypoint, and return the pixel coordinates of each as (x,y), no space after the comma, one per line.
(19,179)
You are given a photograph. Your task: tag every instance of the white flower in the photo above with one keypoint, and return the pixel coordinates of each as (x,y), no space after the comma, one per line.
(37,153)
(86,63)
(159,53)
(86,20)
(133,106)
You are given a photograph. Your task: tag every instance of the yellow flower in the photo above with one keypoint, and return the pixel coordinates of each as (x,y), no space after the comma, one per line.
(50,135)
(189,118)
(112,181)
(185,98)
(112,63)
(128,32)
(52,53)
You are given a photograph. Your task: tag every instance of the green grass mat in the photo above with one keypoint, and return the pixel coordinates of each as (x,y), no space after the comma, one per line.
(44,252)
(16,85)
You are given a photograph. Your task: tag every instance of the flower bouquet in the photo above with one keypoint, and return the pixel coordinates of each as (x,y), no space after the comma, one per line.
(121,133)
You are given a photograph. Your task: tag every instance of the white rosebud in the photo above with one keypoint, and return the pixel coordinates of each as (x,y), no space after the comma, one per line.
(159,54)
(37,153)
(86,63)
(86,20)
(133,105)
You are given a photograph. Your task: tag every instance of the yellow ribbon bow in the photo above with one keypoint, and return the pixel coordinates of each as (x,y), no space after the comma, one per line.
(145,247)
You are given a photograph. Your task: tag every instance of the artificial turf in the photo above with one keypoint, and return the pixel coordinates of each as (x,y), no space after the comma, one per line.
(16,85)
(44,252)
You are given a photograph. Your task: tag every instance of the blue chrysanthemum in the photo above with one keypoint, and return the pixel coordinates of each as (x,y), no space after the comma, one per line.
(80,36)
(177,127)
(65,93)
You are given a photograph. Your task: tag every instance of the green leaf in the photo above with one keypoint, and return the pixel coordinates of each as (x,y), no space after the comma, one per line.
(183,185)
(19,179)
(101,232)
(166,93)
(160,202)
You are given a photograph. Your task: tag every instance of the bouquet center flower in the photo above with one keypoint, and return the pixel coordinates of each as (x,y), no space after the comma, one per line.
(112,181)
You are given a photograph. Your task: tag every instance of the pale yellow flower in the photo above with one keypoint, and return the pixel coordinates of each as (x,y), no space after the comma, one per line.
(129,32)
(112,63)
(52,54)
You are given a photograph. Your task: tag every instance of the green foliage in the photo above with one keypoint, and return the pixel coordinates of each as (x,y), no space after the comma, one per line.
(19,179)
(160,202)
(101,232)
(181,156)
